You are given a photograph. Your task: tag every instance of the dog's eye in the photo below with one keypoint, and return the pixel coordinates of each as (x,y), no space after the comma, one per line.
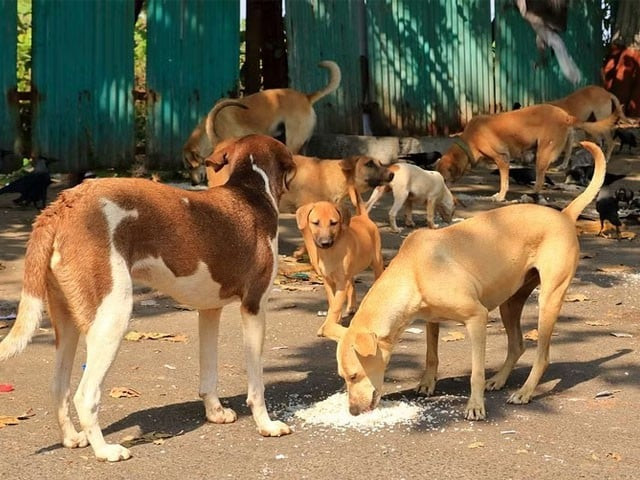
(333,223)
(315,222)
(369,164)
(353,377)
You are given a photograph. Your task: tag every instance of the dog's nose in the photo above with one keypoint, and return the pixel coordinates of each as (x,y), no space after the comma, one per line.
(354,410)
(325,242)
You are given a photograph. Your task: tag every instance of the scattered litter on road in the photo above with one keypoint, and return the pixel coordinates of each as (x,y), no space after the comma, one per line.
(413,330)
(621,335)
(124,392)
(149,303)
(6,388)
(606,393)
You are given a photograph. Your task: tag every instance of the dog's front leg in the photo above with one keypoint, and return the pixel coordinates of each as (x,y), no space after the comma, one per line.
(208,327)
(477,329)
(503,168)
(253,326)
(336,302)
(428,381)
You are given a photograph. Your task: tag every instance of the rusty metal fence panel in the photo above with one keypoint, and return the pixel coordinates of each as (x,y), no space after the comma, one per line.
(522,77)
(431,63)
(82,82)
(8,86)
(193,49)
(326,30)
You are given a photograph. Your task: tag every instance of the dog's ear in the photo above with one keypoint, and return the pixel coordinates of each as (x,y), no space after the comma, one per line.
(348,164)
(345,214)
(217,160)
(366,344)
(302,215)
(290,170)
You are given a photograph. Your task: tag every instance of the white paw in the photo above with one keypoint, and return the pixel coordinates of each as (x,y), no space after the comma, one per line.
(475,411)
(426,388)
(496,198)
(519,398)
(494,384)
(274,429)
(113,453)
(76,440)
(222,415)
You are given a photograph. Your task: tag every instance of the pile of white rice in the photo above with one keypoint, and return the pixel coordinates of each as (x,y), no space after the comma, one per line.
(333,412)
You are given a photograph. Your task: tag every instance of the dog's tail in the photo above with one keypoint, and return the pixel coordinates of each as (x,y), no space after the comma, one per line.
(616,108)
(34,289)
(210,122)
(575,208)
(599,128)
(334,81)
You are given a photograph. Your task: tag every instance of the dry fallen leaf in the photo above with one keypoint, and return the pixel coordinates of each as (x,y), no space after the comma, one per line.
(453,336)
(532,335)
(123,392)
(476,445)
(615,269)
(6,420)
(167,337)
(621,335)
(597,323)
(576,297)
(614,456)
(151,437)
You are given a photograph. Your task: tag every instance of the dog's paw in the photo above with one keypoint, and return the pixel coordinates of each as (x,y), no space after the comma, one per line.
(76,440)
(494,383)
(222,415)
(274,428)
(112,453)
(496,197)
(475,411)
(426,388)
(519,398)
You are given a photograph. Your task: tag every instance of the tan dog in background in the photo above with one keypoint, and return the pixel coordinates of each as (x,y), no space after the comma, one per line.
(187,244)
(460,274)
(339,247)
(412,185)
(317,179)
(505,135)
(590,103)
(270,112)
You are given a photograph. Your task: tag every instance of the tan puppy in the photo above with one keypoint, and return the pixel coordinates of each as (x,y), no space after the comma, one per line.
(339,247)
(505,135)
(205,249)
(319,179)
(413,185)
(272,112)
(461,273)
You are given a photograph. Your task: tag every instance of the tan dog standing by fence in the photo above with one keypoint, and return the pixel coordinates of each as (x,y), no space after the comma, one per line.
(339,247)
(205,249)
(507,135)
(275,112)
(461,273)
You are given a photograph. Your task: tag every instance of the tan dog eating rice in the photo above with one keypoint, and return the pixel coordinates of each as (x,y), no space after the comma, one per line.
(460,273)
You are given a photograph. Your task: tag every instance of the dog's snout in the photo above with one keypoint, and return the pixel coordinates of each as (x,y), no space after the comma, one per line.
(354,410)
(325,242)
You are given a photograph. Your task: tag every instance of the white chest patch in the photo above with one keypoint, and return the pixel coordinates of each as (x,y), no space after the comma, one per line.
(197,290)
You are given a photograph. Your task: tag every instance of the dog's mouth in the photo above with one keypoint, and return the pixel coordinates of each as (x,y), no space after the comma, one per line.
(324,243)
(375,399)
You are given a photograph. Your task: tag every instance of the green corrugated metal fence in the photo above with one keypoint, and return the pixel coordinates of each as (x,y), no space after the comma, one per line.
(83,81)
(326,30)
(192,61)
(8,87)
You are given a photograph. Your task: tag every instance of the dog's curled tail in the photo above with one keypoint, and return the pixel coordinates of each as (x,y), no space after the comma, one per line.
(210,122)
(34,289)
(616,107)
(334,81)
(575,208)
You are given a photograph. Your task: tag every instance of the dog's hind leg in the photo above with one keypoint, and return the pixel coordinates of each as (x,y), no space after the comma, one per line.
(399,198)
(502,162)
(552,290)
(253,332)
(351,298)
(408,213)
(66,344)
(208,327)
(511,312)
(427,383)
(568,147)
(431,212)
(103,339)
(476,324)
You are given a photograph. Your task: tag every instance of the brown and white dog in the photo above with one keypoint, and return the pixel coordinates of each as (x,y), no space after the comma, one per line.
(339,247)
(505,135)
(205,249)
(413,185)
(458,274)
(269,112)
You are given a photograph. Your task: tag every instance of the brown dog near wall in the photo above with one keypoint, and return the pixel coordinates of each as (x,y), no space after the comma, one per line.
(277,112)
(505,135)
(206,249)
(339,247)
(461,273)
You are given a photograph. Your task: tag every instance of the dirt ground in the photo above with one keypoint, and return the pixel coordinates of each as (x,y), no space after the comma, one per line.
(581,423)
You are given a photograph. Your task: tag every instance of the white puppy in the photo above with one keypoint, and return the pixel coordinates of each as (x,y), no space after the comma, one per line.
(413,185)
